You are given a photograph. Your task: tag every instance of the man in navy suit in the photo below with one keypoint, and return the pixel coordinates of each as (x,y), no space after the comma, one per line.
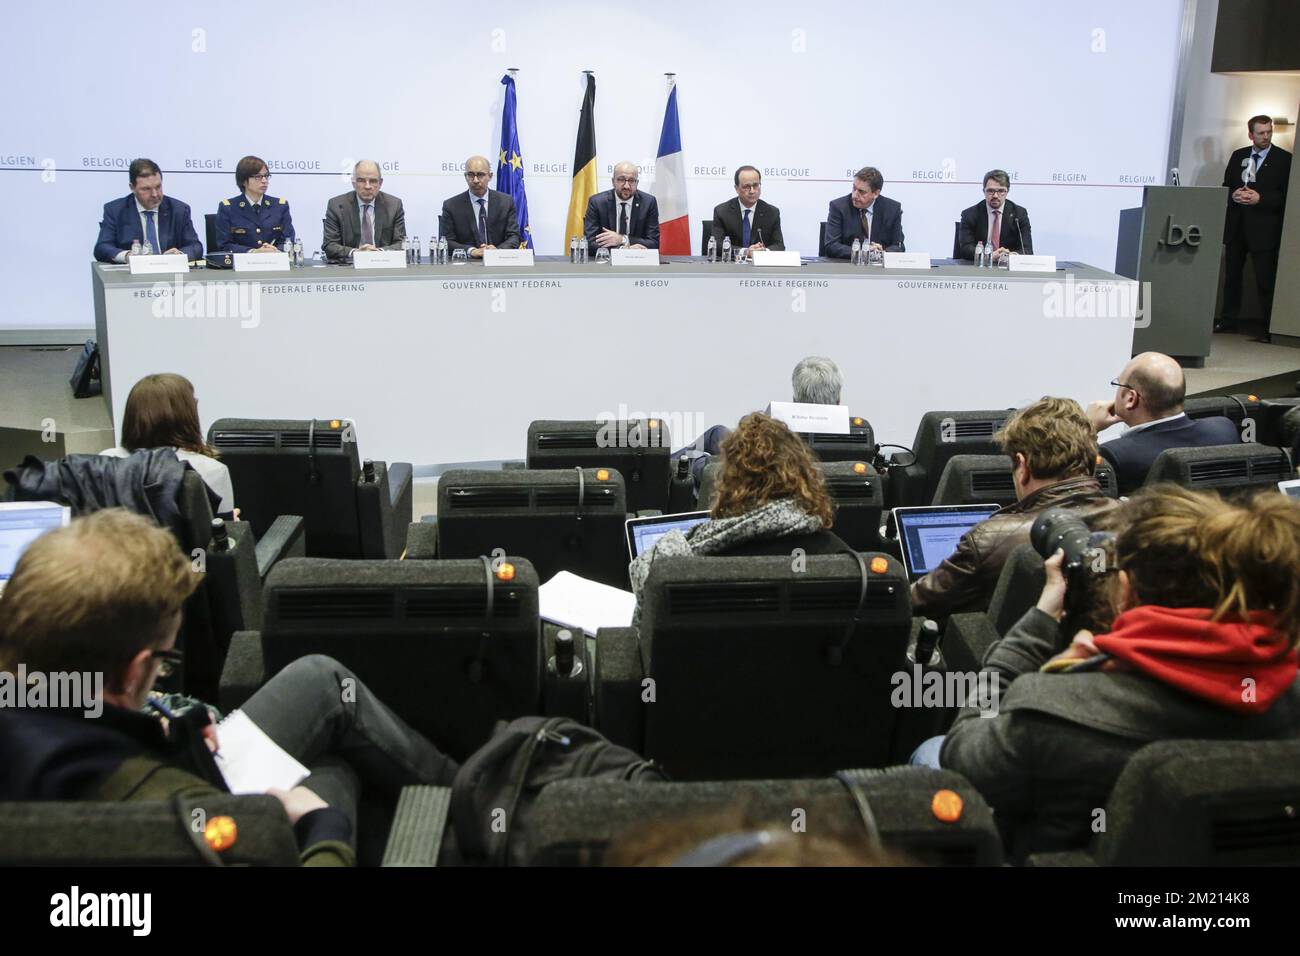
(146,216)
(479,218)
(623,213)
(864,214)
(996,220)
(1149,399)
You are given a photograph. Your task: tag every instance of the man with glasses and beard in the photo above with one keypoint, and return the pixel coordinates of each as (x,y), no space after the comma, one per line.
(996,221)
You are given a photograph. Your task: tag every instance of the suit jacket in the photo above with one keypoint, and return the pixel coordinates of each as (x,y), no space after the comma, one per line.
(727,221)
(343,224)
(240,227)
(975,228)
(1259,226)
(844,224)
(458,221)
(121,226)
(1132,455)
(643,223)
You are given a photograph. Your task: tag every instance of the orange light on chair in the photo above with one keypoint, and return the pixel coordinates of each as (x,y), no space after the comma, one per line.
(1099,459)
(859,468)
(1252,398)
(505,572)
(946,806)
(221,833)
(335,423)
(879,565)
(857,421)
(602,474)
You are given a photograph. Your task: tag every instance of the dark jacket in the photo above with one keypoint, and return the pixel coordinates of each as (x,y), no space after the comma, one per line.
(643,219)
(844,224)
(1132,455)
(728,220)
(1058,742)
(342,224)
(1258,226)
(458,222)
(817,542)
(126,756)
(975,228)
(965,581)
(121,226)
(147,482)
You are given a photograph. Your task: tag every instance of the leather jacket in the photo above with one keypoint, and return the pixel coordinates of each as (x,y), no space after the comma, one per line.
(965,581)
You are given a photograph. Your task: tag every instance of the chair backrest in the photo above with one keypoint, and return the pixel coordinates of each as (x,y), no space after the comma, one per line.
(821,239)
(858,445)
(1106,477)
(939,437)
(706,230)
(1234,407)
(976,480)
(419,634)
(210,231)
(1018,587)
(1227,469)
(956,239)
(640,450)
(1205,803)
(536,514)
(573,822)
(742,651)
(296,467)
(149,833)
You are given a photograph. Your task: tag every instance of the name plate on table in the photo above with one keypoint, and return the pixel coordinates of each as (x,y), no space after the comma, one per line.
(803,417)
(380,259)
(158,265)
(1021,263)
(507,257)
(261,261)
(770,257)
(907,260)
(634,257)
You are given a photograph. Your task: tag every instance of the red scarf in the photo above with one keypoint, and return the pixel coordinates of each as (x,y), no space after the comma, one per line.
(1241,665)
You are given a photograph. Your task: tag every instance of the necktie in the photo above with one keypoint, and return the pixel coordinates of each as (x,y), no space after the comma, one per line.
(368,227)
(482,222)
(744,230)
(1254,166)
(622,219)
(151,232)
(995,233)
(866,228)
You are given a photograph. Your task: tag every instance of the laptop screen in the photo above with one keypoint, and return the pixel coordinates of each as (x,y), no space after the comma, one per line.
(928,535)
(642,533)
(21,523)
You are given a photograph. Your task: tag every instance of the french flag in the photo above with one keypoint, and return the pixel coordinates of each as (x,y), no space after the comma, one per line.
(670,185)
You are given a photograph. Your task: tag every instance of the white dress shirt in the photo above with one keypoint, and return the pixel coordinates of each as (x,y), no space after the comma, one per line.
(1159,421)
(144,230)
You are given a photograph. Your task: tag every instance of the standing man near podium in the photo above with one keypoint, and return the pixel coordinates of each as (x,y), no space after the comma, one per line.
(751,223)
(365,219)
(479,218)
(1256,178)
(996,221)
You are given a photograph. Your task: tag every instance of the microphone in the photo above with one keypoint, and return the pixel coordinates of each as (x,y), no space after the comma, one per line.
(1021,236)
(1173,176)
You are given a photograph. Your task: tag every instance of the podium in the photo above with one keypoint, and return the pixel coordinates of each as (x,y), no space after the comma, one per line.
(1173,245)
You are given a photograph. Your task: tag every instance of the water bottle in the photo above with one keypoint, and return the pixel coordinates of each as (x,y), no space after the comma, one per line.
(582,250)
(135,247)
(299,254)
(726,249)
(573,249)
(442,250)
(416,250)
(713,249)
(146,249)
(988,255)
(627,242)
(979,254)
(406,249)
(855,257)
(433,251)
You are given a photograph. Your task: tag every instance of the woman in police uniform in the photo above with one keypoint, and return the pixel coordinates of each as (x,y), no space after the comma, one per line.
(253,221)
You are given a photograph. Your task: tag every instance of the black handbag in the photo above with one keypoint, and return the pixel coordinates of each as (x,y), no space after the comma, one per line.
(86,381)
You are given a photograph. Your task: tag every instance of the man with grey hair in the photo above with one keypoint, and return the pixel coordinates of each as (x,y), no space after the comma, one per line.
(479,218)
(816,381)
(365,219)
(623,214)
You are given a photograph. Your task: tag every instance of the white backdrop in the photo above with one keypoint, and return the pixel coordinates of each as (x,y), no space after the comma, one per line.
(1075,101)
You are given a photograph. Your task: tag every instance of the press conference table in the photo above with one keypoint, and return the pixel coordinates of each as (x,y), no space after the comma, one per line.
(440,364)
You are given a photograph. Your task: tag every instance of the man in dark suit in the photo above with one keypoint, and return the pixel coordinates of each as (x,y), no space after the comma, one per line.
(146,216)
(1149,397)
(997,219)
(751,223)
(1257,177)
(864,214)
(479,218)
(623,213)
(365,219)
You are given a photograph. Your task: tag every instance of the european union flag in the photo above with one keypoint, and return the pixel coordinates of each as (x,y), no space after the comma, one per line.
(510,166)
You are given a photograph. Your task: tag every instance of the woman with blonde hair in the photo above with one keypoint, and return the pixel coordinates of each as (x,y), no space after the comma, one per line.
(163,412)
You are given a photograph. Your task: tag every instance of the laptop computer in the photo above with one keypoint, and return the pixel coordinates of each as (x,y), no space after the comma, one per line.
(929,534)
(1290,488)
(21,523)
(642,533)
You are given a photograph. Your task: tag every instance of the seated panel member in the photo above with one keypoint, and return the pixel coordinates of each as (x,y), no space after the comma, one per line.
(253,221)
(864,214)
(365,219)
(146,215)
(751,223)
(479,218)
(996,217)
(623,211)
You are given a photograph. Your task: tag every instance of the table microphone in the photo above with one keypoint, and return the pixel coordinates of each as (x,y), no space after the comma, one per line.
(1020,235)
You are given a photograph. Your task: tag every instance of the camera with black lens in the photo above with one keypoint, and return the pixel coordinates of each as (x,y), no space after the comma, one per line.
(1089,556)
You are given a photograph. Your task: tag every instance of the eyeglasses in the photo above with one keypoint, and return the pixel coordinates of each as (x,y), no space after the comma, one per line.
(1129,387)
(264,177)
(995,192)
(367,182)
(169,661)
(627,180)
(477,175)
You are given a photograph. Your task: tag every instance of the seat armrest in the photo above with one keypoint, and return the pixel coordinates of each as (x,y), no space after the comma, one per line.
(244,671)
(286,538)
(422,539)
(514,465)
(234,582)
(619,713)
(415,838)
(570,695)
(401,494)
(966,640)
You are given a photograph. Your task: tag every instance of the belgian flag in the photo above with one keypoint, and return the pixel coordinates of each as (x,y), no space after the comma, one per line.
(584,165)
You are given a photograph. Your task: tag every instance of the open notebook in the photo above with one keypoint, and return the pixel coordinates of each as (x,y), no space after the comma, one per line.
(251,761)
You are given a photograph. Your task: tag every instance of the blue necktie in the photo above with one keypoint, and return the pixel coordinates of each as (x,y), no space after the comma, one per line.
(150,232)
(482,222)
(744,231)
